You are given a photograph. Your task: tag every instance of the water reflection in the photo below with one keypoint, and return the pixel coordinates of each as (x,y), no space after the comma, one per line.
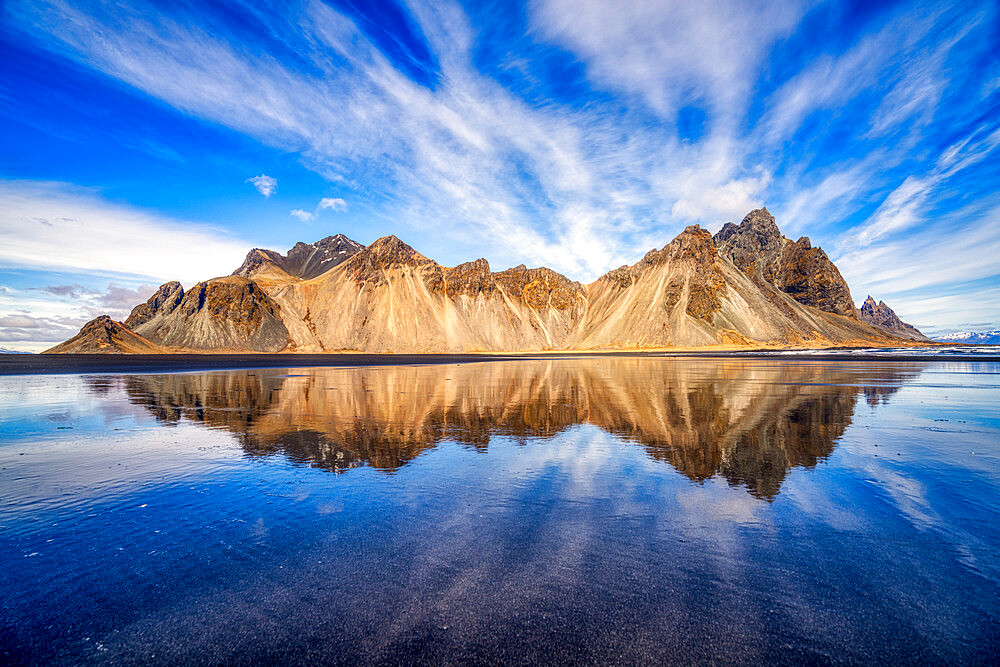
(749,421)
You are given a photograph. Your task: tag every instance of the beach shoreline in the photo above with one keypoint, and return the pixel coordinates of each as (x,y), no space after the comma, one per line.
(31,364)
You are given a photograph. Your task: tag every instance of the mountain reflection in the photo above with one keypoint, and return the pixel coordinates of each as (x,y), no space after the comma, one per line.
(747,420)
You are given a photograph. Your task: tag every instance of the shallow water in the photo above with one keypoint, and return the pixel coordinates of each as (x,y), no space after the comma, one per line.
(599,510)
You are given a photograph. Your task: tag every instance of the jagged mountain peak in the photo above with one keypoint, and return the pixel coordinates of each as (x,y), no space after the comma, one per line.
(757,233)
(759,217)
(884,317)
(757,247)
(303,260)
(330,244)
(694,244)
(165,299)
(370,264)
(746,285)
(228,313)
(337,240)
(390,250)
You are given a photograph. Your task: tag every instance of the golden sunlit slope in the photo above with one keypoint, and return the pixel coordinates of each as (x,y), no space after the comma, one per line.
(103,335)
(749,285)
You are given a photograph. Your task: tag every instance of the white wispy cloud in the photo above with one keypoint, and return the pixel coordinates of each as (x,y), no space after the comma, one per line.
(468,151)
(332,203)
(931,279)
(36,318)
(325,204)
(579,188)
(55,226)
(810,208)
(671,53)
(907,204)
(266,185)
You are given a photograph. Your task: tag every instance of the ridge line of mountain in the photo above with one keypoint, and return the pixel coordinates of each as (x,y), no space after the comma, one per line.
(746,285)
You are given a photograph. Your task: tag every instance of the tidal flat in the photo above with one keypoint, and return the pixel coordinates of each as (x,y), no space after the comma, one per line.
(587,510)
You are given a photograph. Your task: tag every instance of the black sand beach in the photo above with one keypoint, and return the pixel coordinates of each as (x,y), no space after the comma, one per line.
(21,364)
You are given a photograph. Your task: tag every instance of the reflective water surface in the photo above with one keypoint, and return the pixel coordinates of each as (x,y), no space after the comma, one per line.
(596,510)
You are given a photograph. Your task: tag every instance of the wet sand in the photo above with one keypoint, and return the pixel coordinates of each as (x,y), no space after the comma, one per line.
(24,364)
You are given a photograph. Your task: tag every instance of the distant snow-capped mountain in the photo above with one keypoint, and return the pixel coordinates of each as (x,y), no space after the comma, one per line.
(979,337)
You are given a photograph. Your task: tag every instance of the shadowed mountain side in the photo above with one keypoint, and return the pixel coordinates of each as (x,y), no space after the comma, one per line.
(304,260)
(721,417)
(757,247)
(882,316)
(689,294)
(230,313)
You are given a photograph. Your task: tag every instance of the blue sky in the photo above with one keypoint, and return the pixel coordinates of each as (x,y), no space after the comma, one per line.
(573,134)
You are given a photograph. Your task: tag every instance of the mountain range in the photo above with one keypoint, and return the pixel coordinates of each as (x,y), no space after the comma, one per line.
(976,337)
(747,285)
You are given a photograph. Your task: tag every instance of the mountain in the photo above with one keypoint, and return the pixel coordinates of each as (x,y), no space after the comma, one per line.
(231,313)
(390,298)
(102,335)
(978,338)
(304,260)
(691,293)
(747,285)
(882,316)
(805,273)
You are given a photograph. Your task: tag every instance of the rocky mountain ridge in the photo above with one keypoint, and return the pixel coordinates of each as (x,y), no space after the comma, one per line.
(747,285)
(757,247)
(882,316)
(303,260)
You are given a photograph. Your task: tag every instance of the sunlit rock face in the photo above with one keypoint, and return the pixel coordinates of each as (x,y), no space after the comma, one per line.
(728,418)
(102,335)
(164,301)
(231,313)
(690,293)
(390,298)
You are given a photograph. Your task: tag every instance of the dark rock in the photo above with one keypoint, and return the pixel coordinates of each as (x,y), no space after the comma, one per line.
(308,260)
(230,313)
(164,301)
(304,260)
(757,247)
(541,287)
(882,316)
